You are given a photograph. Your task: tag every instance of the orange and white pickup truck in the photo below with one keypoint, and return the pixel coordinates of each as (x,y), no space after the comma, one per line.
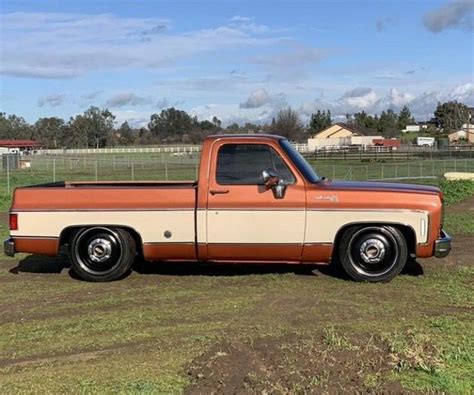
(256,200)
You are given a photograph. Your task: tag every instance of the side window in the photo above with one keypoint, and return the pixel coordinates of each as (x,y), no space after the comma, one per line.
(242,164)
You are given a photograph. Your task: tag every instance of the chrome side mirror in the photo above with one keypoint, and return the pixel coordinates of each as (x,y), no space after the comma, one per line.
(273,182)
(270,178)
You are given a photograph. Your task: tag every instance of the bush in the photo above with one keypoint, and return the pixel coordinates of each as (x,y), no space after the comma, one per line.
(456,191)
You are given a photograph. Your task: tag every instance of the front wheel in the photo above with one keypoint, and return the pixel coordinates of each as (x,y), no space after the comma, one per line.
(373,253)
(102,254)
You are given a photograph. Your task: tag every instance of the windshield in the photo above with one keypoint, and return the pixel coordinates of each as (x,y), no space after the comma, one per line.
(300,162)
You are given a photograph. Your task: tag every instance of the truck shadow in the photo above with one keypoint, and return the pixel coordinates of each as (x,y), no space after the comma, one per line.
(412,268)
(55,265)
(41,264)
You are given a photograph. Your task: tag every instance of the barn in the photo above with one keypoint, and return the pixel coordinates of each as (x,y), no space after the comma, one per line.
(22,147)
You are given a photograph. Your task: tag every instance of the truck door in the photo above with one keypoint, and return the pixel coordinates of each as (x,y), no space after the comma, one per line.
(245,220)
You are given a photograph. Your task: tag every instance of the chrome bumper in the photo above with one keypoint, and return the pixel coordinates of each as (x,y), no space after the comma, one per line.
(9,247)
(442,245)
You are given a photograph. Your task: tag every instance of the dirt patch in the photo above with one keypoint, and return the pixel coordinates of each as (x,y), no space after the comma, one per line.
(460,255)
(463,207)
(294,365)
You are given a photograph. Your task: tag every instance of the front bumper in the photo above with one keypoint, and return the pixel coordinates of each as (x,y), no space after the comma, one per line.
(9,247)
(442,245)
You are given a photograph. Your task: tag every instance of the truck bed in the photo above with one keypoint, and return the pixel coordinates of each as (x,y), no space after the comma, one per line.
(113,195)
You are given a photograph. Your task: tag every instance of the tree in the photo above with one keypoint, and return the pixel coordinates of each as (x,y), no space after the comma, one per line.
(365,122)
(93,128)
(234,127)
(405,118)
(451,115)
(50,132)
(287,124)
(388,124)
(125,135)
(171,124)
(14,127)
(320,121)
(217,122)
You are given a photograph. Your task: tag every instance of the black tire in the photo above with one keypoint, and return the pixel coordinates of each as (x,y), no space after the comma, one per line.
(101,254)
(373,253)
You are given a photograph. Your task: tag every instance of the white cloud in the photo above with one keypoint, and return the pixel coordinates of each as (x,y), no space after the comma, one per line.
(136,119)
(54,100)
(454,14)
(398,99)
(91,95)
(128,99)
(229,114)
(464,93)
(360,98)
(60,45)
(261,97)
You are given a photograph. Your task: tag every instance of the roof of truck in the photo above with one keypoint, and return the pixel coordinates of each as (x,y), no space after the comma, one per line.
(243,135)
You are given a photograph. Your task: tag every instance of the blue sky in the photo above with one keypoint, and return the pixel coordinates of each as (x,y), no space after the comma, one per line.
(239,60)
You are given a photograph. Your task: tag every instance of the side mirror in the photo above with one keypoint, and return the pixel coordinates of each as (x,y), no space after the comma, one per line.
(270,179)
(273,182)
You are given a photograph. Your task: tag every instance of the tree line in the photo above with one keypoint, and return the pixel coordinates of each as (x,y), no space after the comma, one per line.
(96,127)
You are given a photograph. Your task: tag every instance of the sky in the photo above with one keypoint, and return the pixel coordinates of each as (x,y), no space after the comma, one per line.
(241,61)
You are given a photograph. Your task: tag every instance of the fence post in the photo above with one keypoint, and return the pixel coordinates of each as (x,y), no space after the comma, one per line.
(366,172)
(133,171)
(54,169)
(396,170)
(8,175)
(95,165)
(166,171)
(382,171)
(421,169)
(433,167)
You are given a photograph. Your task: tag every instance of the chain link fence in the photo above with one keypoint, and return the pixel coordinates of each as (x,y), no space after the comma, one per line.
(27,170)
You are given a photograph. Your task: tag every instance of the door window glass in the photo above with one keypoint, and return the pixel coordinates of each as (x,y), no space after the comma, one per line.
(242,164)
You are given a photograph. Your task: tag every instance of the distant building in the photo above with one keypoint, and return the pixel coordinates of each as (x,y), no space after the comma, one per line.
(415,128)
(22,147)
(340,135)
(463,134)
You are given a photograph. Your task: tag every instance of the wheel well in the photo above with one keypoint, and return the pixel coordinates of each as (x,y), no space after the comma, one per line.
(68,233)
(407,232)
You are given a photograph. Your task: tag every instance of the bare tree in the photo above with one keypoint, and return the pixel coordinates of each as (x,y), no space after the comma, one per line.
(288,124)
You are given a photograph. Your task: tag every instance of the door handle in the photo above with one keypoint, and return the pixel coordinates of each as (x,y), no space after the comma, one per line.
(219,191)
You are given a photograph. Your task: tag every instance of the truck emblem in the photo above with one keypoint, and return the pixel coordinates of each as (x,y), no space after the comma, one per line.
(329,198)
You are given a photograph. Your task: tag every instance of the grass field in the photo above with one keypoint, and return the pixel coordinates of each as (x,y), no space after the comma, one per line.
(173,328)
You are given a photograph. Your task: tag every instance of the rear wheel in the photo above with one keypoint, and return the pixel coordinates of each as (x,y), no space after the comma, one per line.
(373,253)
(102,254)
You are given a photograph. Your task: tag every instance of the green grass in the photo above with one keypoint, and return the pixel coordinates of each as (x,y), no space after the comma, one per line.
(460,223)
(138,335)
(457,191)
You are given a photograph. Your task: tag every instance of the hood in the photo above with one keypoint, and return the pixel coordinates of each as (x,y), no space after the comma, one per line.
(381,187)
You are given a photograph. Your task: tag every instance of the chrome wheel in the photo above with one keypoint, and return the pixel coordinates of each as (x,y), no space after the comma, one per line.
(373,252)
(98,251)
